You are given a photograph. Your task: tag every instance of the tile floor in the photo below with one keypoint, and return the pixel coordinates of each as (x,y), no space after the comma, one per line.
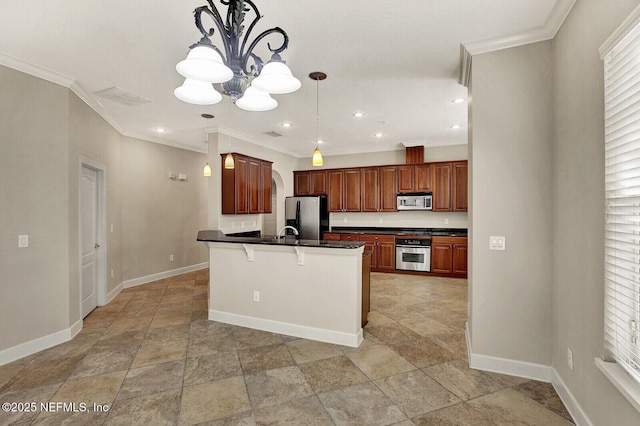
(152,357)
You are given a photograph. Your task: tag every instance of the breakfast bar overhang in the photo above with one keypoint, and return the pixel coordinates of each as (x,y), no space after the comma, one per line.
(304,288)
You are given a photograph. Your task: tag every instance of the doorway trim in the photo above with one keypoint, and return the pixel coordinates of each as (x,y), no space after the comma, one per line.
(101,284)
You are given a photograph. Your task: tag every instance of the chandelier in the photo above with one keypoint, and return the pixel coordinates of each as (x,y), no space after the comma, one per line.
(242,74)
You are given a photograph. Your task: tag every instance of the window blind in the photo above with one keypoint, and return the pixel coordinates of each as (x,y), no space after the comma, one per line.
(622,197)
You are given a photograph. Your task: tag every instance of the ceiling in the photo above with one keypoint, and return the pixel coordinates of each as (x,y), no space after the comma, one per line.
(398,62)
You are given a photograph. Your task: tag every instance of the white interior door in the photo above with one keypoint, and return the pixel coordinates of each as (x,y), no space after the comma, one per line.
(89,240)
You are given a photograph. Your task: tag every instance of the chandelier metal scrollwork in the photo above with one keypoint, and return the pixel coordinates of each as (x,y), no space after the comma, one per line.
(234,65)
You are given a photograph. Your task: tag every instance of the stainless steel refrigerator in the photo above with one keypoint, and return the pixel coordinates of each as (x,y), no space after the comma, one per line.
(308,214)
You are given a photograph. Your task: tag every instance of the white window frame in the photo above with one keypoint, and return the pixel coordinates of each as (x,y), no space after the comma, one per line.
(621,56)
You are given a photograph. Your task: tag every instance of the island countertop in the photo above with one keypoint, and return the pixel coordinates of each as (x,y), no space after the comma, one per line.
(210,236)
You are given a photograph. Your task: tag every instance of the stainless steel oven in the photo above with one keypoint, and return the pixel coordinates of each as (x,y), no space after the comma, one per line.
(413,254)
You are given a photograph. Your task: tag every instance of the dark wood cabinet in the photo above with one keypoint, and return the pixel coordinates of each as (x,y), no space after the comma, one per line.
(374,189)
(442,187)
(331,236)
(310,182)
(344,190)
(383,249)
(414,178)
(449,255)
(245,187)
(459,186)
(379,189)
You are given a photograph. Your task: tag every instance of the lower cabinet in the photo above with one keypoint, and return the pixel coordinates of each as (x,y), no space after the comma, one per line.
(384,251)
(449,255)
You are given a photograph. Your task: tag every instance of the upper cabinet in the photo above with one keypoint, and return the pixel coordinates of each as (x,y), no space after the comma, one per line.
(310,182)
(246,189)
(374,189)
(450,184)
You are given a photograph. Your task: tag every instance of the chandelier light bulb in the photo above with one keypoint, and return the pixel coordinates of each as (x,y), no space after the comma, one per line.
(197,92)
(204,64)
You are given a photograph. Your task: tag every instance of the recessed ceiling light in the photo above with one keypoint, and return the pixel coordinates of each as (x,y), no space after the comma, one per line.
(379,134)
(319,141)
(455,126)
(286,125)
(160,130)
(458,101)
(358,114)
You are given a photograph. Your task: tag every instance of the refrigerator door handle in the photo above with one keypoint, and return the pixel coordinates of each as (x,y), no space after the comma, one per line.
(298,218)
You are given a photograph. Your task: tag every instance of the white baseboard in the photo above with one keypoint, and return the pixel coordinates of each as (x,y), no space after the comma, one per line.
(36,345)
(113,293)
(160,275)
(570,403)
(542,373)
(312,333)
(45,342)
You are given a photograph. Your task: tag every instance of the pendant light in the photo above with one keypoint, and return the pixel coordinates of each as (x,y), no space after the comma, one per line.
(229,164)
(316,160)
(207,168)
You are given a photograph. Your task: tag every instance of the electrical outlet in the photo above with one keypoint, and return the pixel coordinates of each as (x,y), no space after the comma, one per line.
(256,296)
(23,241)
(170,258)
(570,358)
(446,221)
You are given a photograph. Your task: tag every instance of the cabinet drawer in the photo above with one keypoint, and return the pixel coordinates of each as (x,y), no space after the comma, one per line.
(448,240)
(349,237)
(378,238)
(329,236)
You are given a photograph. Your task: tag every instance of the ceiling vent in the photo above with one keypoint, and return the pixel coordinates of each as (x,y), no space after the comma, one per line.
(273,134)
(118,94)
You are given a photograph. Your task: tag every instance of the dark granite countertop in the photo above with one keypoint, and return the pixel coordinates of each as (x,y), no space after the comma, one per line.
(220,237)
(453,232)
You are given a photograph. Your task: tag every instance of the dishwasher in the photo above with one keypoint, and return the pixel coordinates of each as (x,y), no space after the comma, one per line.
(413,254)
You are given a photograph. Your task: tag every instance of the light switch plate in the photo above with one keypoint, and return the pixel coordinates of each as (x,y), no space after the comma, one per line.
(23,241)
(497,243)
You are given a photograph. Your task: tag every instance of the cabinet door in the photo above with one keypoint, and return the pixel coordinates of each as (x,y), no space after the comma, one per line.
(371,246)
(442,187)
(242,184)
(388,189)
(255,186)
(423,177)
(318,182)
(441,258)
(405,178)
(352,190)
(459,186)
(386,256)
(301,183)
(335,179)
(265,183)
(460,259)
(370,189)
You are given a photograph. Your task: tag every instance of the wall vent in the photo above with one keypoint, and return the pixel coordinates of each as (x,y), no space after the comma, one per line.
(118,94)
(273,134)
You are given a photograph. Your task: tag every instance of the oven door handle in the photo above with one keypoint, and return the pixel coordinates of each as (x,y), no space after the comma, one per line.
(403,246)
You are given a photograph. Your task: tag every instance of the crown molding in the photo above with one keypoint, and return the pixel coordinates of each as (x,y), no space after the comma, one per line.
(43,73)
(623,29)
(548,31)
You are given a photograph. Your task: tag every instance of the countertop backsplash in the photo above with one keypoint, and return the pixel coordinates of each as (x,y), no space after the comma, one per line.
(405,219)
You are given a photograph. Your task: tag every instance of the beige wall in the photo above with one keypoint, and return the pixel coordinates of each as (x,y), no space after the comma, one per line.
(537,169)
(510,317)
(578,208)
(46,130)
(34,281)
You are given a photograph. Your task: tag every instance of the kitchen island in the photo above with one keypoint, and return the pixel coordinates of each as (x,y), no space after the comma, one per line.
(303,288)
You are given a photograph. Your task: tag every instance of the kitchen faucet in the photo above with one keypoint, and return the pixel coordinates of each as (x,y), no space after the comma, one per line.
(295,231)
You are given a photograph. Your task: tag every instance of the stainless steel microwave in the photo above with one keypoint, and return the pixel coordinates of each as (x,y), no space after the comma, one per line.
(415,201)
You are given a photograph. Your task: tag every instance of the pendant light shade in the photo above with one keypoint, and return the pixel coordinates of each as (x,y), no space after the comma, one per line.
(204,64)
(197,92)
(317,158)
(276,78)
(228,162)
(256,100)
(207,170)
